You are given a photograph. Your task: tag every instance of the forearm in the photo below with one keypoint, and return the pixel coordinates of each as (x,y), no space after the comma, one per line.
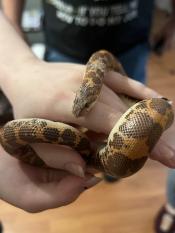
(13,11)
(15,54)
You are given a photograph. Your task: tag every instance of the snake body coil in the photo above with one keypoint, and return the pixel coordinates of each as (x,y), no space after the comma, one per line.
(129,143)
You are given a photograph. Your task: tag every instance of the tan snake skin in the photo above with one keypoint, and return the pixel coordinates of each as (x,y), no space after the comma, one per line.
(129,143)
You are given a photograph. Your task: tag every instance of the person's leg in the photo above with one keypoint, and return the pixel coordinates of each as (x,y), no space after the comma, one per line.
(135,60)
(171,187)
(165,219)
(52,55)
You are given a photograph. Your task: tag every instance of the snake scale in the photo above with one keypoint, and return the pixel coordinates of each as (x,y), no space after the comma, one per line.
(129,143)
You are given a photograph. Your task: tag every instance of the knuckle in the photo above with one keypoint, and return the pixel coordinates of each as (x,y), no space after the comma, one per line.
(31,209)
(71,197)
(30,205)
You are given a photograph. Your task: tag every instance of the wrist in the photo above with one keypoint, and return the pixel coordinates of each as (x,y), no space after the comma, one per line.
(14,73)
(15,56)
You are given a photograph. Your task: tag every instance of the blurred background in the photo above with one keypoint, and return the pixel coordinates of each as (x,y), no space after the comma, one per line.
(128,206)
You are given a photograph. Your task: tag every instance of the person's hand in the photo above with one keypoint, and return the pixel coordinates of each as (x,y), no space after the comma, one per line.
(164,150)
(36,189)
(47,90)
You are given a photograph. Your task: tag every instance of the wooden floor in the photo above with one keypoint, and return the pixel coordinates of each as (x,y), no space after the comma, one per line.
(125,207)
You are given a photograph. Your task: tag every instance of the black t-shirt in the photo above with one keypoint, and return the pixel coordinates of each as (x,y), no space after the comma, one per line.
(80,27)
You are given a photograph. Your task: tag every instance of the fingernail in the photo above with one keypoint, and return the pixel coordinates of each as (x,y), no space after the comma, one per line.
(92,182)
(172,159)
(169,101)
(75,169)
(169,154)
(154,94)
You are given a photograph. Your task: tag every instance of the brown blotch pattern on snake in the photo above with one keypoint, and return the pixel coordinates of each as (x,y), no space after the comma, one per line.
(69,136)
(117,141)
(158,106)
(120,163)
(142,123)
(51,134)
(27,133)
(83,144)
(154,136)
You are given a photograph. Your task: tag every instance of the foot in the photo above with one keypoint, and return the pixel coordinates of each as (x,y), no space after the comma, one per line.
(165,220)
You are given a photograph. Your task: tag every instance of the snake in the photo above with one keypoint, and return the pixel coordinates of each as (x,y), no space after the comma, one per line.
(126,148)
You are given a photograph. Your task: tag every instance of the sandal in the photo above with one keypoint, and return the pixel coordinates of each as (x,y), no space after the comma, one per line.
(1,228)
(164,222)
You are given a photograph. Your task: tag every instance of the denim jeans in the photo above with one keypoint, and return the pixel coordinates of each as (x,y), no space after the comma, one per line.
(171,187)
(134,60)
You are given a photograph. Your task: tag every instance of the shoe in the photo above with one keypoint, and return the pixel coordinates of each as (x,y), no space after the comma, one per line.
(1,228)
(164,222)
(110,179)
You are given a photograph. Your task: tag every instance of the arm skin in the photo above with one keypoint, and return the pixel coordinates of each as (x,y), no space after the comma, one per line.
(13,11)
(15,52)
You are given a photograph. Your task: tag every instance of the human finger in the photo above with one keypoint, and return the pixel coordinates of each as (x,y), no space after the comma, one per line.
(61,157)
(110,98)
(125,85)
(101,118)
(164,150)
